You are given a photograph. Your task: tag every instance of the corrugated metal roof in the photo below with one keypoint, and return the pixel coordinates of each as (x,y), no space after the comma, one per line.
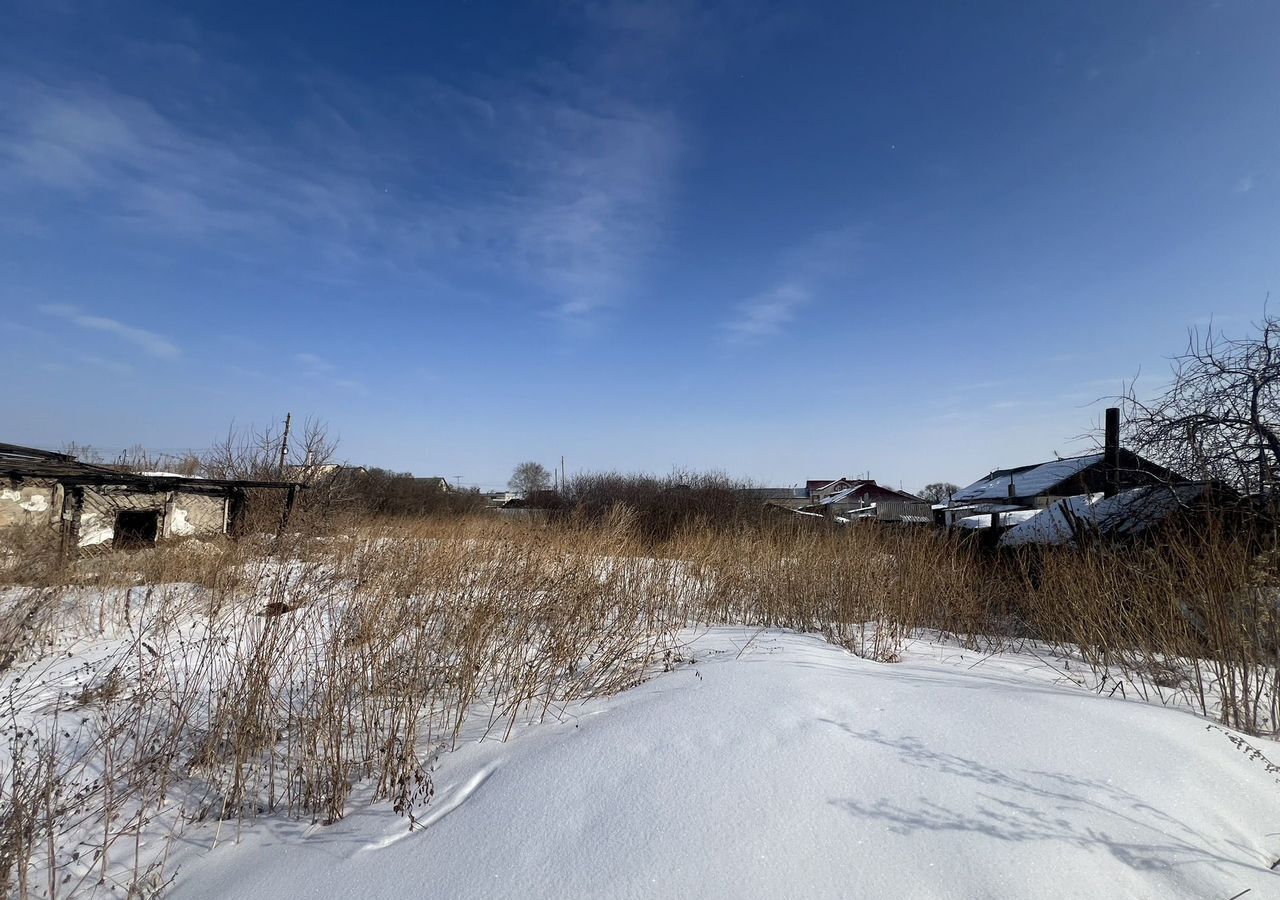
(1028,481)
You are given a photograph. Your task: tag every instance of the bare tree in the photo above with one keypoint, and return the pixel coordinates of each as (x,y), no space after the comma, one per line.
(1219,418)
(255,454)
(529,477)
(939,491)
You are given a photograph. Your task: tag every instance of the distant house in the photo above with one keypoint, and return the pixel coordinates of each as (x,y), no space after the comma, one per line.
(861,490)
(434,483)
(821,488)
(846,499)
(1040,484)
(866,500)
(540,499)
(865,493)
(1113,494)
(86,505)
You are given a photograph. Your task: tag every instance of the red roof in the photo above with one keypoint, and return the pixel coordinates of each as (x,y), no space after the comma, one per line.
(863,488)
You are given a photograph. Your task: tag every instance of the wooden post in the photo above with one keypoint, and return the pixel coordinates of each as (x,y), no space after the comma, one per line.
(236,511)
(992,534)
(289,499)
(72,507)
(166,517)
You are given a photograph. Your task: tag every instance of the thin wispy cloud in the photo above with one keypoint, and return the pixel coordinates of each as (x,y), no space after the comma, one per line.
(826,255)
(317,368)
(148,341)
(573,200)
(310,364)
(767,314)
(810,267)
(988,385)
(596,213)
(1114,381)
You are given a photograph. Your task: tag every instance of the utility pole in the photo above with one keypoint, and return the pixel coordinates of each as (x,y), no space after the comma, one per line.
(457,480)
(284,443)
(562,471)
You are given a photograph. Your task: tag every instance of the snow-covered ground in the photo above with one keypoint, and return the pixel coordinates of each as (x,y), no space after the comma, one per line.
(774,765)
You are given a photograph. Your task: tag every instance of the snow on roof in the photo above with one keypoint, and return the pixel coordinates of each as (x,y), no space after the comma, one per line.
(802,512)
(1027,481)
(1013,517)
(842,496)
(1129,512)
(166,475)
(973,509)
(839,520)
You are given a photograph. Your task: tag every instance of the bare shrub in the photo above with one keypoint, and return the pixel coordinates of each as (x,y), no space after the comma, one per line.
(262,454)
(661,506)
(1193,617)
(379,492)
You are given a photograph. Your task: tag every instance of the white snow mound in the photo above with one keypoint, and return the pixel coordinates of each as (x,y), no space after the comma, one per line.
(794,769)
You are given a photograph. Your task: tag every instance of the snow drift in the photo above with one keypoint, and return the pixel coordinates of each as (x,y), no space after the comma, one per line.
(777,765)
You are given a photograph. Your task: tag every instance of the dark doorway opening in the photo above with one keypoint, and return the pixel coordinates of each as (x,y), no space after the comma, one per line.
(137,527)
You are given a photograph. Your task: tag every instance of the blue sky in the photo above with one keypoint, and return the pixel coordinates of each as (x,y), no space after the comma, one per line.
(786,242)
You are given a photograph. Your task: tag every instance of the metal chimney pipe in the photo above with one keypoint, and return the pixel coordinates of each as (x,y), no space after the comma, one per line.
(1111,453)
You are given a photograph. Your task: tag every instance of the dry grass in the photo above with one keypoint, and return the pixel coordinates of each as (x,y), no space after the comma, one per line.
(1194,619)
(231,681)
(228,681)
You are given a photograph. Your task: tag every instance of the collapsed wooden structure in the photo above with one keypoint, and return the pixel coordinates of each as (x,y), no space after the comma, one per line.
(87,505)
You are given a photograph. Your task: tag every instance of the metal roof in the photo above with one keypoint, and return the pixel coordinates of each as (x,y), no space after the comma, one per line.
(1027,481)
